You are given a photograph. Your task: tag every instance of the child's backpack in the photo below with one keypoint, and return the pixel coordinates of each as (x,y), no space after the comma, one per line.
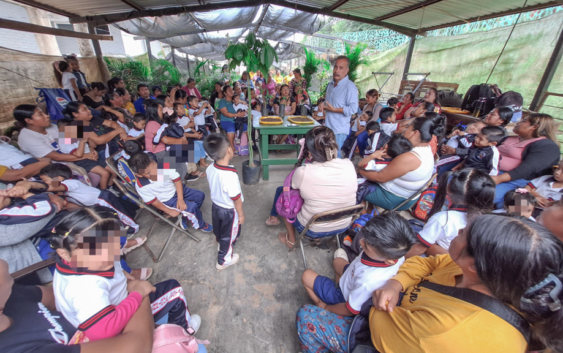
(242,147)
(290,202)
(362,220)
(56,100)
(171,338)
(424,204)
(474,93)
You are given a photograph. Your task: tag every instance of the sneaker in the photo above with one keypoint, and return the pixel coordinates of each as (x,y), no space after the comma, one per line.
(222,267)
(191,177)
(114,190)
(341,253)
(184,223)
(195,322)
(207,228)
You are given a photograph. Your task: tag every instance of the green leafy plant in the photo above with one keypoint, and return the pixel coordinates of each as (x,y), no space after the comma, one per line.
(356,59)
(312,63)
(198,69)
(256,55)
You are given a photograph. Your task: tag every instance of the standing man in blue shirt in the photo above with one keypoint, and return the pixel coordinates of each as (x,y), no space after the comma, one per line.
(341,101)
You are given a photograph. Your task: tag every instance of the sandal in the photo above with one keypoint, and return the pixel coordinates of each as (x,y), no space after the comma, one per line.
(146,273)
(140,241)
(200,174)
(282,236)
(274,223)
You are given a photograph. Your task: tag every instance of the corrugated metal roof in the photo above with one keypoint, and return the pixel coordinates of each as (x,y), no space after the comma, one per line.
(406,14)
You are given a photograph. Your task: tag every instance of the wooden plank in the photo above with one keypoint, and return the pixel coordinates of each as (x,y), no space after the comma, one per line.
(29,27)
(338,4)
(46,7)
(407,9)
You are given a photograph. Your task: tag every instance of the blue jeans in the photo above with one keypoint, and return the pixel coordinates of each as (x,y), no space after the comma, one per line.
(340,138)
(503,188)
(274,212)
(315,235)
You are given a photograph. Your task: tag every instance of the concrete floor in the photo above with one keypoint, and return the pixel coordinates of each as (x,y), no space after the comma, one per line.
(251,306)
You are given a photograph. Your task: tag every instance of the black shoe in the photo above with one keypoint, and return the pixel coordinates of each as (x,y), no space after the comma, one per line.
(190,177)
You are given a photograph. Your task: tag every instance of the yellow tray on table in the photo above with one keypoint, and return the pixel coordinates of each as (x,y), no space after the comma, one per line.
(271,120)
(455,110)
(300,120)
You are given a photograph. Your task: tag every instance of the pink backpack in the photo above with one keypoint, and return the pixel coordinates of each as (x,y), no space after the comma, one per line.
(290,202)
(170,338)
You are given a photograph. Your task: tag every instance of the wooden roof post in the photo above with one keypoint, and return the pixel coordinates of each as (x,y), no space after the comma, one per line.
(98,50)
(550,70)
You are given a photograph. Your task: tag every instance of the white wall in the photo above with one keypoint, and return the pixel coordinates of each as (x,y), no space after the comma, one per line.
(69,45)
(17,40)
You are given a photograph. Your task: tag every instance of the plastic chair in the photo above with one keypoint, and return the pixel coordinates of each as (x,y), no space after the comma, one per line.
(126,186)
(416,195)
(327,217)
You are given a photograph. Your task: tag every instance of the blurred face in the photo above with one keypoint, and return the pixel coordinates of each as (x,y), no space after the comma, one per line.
(278,72)
(278,88)
(362,104)
(364,117)
(418,111)
(39,119)
(285,91)
(430,96)
(229,92)
(253,94)
(244,76)
(191,85)
(481,141)
(6,284)
(100,93)
(180,110)
(168,103)
(144,92)
(297,75)
(96,252)
(411,134)
(140,124)
(237,91)
(117,101)
(120,84)
(475,128)
(552,219)
(493,119)
(522,208)
(406,99)
(84,114)
(127,97)
(558,172)
(151,172)
(217,87)
(157,92)
(524,128)
(236,99)
(340,70)
(74,66)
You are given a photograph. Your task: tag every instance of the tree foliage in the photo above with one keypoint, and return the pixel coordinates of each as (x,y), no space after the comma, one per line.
(312,64)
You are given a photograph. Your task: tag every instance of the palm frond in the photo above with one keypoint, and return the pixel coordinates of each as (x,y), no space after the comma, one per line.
(356,59)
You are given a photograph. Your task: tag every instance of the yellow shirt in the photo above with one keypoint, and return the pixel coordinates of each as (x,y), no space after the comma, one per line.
(3,170)
(429,321)
(129,106)
(278,79)
(288,79)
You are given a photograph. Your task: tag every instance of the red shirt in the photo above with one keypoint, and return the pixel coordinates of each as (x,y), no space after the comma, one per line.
(401,112)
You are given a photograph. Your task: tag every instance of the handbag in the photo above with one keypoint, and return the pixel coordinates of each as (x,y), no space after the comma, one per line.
(290,202)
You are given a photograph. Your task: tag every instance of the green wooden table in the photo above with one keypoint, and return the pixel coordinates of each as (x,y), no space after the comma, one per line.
(286,128)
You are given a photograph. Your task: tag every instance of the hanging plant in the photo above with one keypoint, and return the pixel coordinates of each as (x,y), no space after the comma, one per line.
(255,54)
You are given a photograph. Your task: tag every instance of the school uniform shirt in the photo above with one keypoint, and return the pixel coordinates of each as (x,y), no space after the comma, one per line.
(68,147)
(66,80)
(321,113)
(39,145)
(443,226)
(162,190)
(256,115)
(134,132)
(29,210)
(376,141)
(486,159)
(240,106)
(428,321)
(378,164)
(81,192)
(544,187)
(95,302)
(224,184)
(388,128)
(363,277)
(355,125)
(199,119)
(12,157)
(35,328)
(183,121)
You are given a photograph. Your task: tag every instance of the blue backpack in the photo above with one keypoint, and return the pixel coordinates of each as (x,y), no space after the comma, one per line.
(362,220)
(56,100)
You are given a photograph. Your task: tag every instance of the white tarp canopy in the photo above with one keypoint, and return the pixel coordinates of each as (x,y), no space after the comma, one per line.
(207,34)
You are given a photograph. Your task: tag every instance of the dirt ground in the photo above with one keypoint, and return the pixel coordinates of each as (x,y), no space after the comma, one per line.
(251,306)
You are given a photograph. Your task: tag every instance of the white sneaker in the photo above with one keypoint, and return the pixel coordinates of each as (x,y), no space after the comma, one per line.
(233,261)
(341,253)
(195,322)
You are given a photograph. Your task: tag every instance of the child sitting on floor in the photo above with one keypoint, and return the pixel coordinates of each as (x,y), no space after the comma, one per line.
(483,154)
(385,241)
(548,189)
(199,113)
(163,189)
(92,290)
(75,142)
(59,179)
(456,147)
(377,138)
(519,202)
(392,103)
(388,124)
(226,194)
(358,126)
(139,121)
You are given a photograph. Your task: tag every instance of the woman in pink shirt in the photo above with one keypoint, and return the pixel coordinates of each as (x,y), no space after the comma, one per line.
(270,85)
(527,156)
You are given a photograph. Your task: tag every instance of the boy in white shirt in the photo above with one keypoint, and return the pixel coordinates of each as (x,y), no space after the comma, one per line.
(385,240)
(139,122)
(388,124)
(199,112)
(227,198)
(163,189)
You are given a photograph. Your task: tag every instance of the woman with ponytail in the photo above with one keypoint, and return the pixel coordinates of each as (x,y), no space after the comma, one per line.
(325,183)
(94,98)
(409,172)
(470,193)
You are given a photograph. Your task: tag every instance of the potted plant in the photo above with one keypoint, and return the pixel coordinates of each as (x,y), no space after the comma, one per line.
(255,54)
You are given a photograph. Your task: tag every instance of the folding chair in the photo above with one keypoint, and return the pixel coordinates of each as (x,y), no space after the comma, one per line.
(416,195)
(125,185)
(327,217)
(33,268)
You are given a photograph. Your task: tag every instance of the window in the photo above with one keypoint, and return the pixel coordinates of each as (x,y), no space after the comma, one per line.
(66,26)
(104,30)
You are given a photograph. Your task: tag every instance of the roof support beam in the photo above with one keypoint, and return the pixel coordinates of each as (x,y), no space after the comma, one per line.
(410,51)
(29,27)
(46,7)
(264,12)
(338,4)
(497,14)
(550,70)
(407,9)
(307,46)
(133,5)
